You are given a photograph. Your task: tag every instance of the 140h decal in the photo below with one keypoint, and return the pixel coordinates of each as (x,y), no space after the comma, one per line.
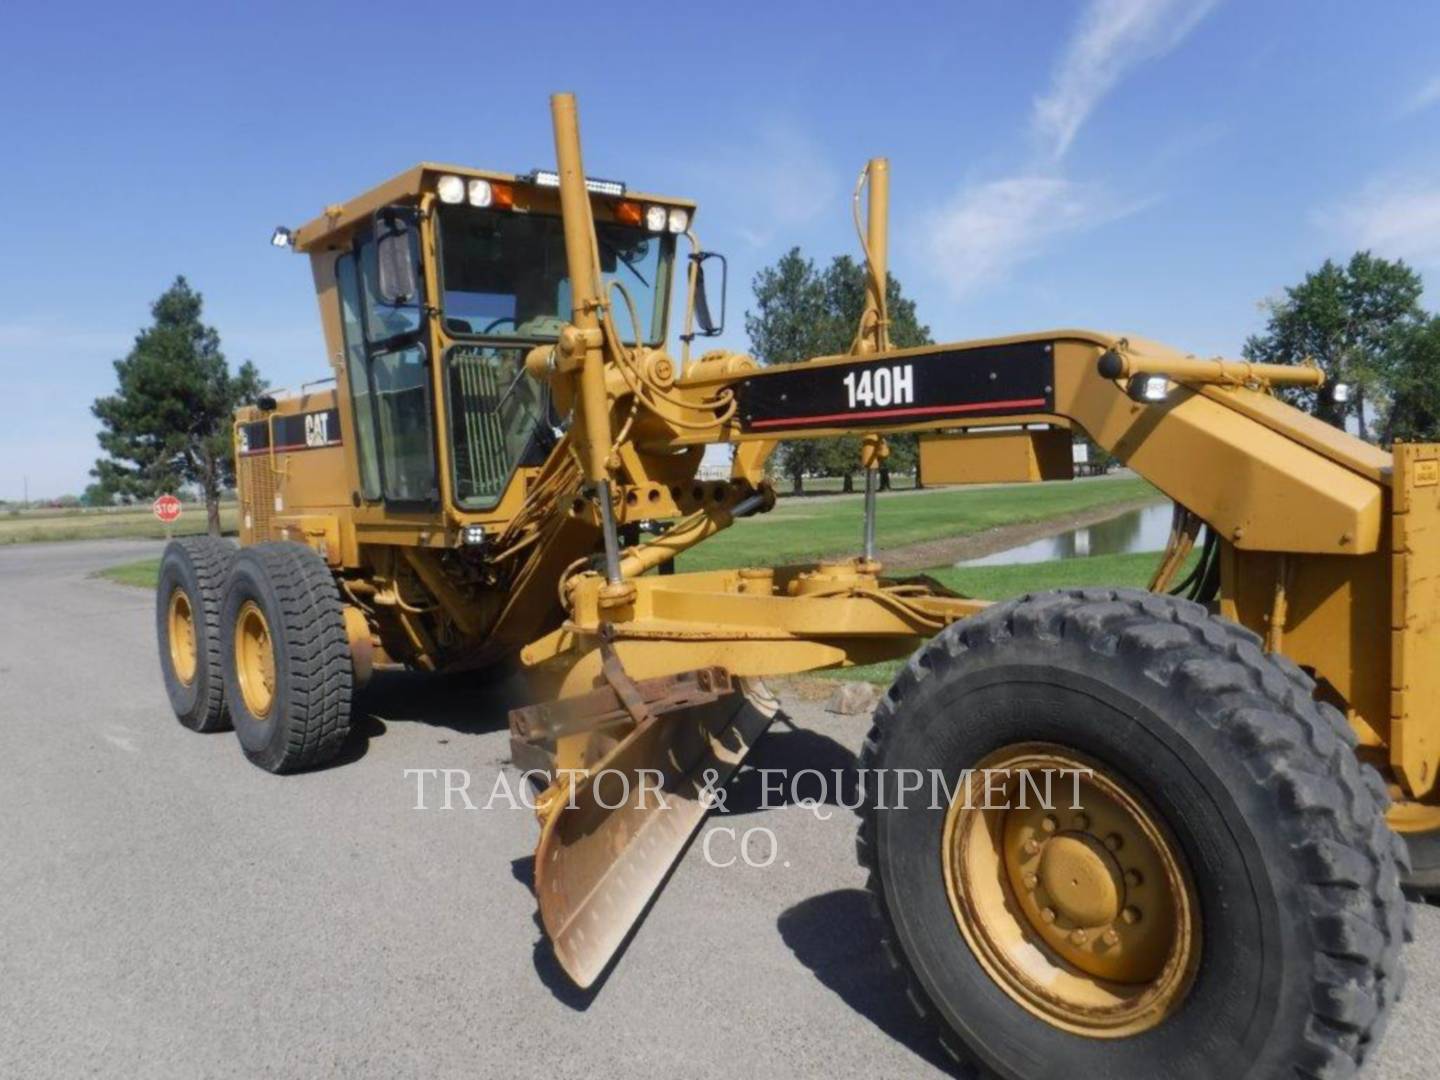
(881,386)
(978,380)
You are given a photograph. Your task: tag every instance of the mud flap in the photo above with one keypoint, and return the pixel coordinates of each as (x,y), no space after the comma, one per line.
(597,869)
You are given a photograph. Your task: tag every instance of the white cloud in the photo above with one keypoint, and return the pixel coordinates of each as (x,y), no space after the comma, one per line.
(1394,216)
(1113,37)
(1426,96)
(988,229)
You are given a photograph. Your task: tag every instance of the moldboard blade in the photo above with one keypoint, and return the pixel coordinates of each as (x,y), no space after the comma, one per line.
(597,869)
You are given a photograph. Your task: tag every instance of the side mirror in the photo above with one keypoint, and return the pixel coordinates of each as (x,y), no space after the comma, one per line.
(395,260)
(704,317)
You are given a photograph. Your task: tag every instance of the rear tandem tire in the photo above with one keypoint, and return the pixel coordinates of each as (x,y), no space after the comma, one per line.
(1422,881)
(1291,867)
(187,626)
(289,677)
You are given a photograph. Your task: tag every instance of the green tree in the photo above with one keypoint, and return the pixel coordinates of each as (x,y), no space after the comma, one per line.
(1347,319)
(168,423)
(801,313)
(99,494)
(1414,414)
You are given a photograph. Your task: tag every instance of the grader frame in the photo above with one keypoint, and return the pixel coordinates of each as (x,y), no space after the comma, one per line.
(1320,543)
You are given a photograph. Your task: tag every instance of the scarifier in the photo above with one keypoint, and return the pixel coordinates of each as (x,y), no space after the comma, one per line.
(508,464)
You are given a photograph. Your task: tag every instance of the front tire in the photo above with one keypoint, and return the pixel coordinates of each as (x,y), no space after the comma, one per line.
(187,625)
(288,671)
(1290,958)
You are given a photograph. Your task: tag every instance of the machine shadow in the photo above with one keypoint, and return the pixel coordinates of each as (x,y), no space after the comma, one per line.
(792,757)
(464,703)
(835,935)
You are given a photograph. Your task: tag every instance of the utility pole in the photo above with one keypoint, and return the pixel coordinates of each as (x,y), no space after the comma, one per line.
(25,503)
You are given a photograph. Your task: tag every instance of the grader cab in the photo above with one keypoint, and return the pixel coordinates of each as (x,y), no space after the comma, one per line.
(507,467)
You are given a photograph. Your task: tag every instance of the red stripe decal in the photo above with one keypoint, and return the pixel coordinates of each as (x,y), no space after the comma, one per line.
(916,411)
(291,448)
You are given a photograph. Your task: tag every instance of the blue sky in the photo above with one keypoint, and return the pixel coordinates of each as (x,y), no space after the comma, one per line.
(1152,166)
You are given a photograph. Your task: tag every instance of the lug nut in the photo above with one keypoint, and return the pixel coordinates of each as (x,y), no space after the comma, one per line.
(1079,937)
(1082,822)
(1031,881)
(1131,915)
(1032,847)
(1111,938)
(1048,914)
(1114,842)
(1134,878)
(1049,824)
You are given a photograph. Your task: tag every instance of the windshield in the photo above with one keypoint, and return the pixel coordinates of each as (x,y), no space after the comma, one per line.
(503,274)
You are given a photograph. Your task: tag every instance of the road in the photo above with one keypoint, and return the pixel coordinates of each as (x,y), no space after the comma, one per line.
(168,910)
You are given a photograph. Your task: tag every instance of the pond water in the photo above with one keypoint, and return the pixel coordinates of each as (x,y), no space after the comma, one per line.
(1145,529)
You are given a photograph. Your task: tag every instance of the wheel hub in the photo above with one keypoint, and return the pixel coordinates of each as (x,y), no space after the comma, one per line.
(1081,880)
(1076,900)
(184,651)
(254,659)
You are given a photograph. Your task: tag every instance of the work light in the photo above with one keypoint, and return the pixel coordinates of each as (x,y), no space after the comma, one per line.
(594,185)
(480,192)
(655,218)
(679,220)
(451,189)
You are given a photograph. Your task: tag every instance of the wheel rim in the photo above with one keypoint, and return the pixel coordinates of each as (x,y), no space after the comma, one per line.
(1412,818)
(1084,913)
(254,659)
(184,650)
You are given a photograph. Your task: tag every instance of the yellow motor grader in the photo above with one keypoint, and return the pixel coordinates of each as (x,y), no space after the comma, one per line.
(508,465)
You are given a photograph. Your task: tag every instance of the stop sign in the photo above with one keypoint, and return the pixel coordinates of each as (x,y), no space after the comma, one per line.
(167,508)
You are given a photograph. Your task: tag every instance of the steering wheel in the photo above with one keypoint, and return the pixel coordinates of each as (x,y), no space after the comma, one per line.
(497,322)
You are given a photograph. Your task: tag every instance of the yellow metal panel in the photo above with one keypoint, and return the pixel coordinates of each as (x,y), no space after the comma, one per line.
(996,457)
(1259,487)
(1336,625)
(1415,616)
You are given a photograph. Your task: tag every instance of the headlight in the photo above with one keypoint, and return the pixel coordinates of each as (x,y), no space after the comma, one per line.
(1340,393)
(480,193)
(1154,388)
(679,220)
(451,189)
(655,218)
(473,535)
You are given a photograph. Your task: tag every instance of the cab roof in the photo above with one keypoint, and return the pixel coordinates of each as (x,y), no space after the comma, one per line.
(338,218)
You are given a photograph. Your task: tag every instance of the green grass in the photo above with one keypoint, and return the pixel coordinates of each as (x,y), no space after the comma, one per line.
(129,523)
(143,574)
(802,530)
(1003,582)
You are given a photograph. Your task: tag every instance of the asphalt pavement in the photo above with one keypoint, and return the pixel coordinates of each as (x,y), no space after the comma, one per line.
(169,910)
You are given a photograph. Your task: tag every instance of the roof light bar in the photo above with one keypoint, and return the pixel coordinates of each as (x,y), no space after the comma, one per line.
(596,186)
